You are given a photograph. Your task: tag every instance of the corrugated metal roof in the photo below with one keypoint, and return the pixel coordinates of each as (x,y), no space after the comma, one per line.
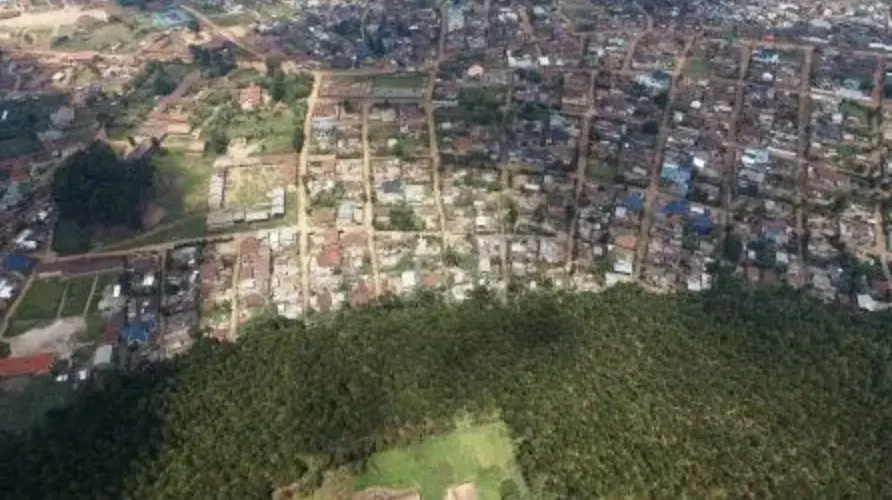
(26,365)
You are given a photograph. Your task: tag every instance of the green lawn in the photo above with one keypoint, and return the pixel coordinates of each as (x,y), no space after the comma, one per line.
(95,331)
(181,183)
(480,454)
(115,36)
(77,295)
(41,301)
(404,82)
(698,66)
(239,18)
(20,326)
(188,227)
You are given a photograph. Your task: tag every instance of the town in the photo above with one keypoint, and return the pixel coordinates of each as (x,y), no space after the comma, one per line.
(313,156)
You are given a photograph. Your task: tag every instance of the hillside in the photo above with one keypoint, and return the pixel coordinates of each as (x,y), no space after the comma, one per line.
(737,393)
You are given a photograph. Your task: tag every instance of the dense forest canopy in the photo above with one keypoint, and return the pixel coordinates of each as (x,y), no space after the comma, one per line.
(737,393)
(96,187)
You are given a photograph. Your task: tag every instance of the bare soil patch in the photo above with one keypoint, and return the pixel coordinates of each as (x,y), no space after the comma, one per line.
(58,338)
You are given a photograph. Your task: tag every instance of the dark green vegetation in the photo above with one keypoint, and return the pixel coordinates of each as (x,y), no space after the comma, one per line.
(155,81)
(97,189)
(734,394)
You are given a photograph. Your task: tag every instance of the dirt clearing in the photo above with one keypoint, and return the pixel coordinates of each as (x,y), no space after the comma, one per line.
(57,338)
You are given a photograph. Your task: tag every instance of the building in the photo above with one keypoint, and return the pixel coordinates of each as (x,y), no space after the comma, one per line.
(102,357)
(251,97)
(37,364)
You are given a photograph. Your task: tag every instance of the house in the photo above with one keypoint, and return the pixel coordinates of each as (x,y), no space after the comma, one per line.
(37,364)
(138,332)
(115,327)
(251,97)
(102,357)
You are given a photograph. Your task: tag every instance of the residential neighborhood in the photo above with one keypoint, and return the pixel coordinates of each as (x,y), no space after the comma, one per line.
(405,146)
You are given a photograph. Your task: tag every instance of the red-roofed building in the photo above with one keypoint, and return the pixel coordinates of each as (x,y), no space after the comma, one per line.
(330,257)
(114,327)
(26,365)
(250,97)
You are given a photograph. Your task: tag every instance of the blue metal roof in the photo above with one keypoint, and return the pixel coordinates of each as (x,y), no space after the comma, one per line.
(16,262)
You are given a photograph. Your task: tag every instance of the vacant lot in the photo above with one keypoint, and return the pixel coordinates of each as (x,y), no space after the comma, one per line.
(77,294)
(181,183)
(482,454)
(56,337)
(41,301)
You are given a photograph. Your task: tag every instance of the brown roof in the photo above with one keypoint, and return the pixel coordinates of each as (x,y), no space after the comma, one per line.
(627,241)
(26,365)
(361,295)
(352,239)
(330,256)
(323,301)
(251,95)
(249,245)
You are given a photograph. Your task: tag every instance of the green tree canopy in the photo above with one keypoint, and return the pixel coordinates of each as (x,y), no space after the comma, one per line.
(96,187)
(737,393)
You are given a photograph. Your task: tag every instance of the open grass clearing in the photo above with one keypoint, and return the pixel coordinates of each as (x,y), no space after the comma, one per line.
(77,295)
(188,227)
(401,82)
(181,183)
(235,19)
(480,454)
(95,330)
(20,326)
(272,127)
(116,36)
(41,301)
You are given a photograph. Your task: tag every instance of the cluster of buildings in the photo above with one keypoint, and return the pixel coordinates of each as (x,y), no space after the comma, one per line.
(486,144)
(395,34)
(249,189)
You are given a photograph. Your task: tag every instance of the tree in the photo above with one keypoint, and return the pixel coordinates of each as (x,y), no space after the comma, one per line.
(217,142)
(277,86)
(297,139)
(95,187)
(591,387)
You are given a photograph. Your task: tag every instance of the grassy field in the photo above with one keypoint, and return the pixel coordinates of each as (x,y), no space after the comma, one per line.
(95,331)
(187,227)
(20,326)
(239,18)
(181,183)
(77,295)
(480,454)
(41,301)
(405,82)
(116,36)
(272,128)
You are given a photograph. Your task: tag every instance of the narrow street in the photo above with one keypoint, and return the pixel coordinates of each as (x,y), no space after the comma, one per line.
(730,173)
(429,113)
(302,202)
(653,186)
(581,172)
(369,203)
(802,154)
